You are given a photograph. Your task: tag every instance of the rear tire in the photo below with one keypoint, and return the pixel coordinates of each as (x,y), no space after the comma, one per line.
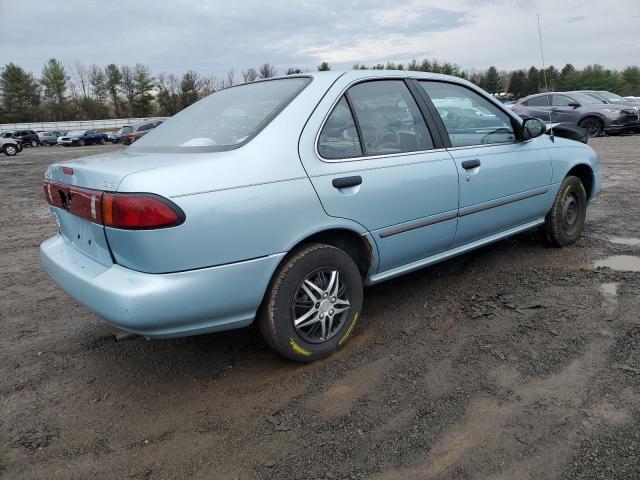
(565,221)
(592,125)
(34,143)
(313,303)
(102,141)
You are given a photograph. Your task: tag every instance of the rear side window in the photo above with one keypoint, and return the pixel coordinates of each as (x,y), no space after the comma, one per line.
(339,136)
(226,119)
(384,119)
(389,118)
(469,118)
(541,101)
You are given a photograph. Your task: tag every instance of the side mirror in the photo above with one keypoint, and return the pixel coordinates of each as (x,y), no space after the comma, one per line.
(574,104)
(532,128)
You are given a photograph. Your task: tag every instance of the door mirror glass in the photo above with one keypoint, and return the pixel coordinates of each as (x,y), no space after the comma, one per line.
(532,128)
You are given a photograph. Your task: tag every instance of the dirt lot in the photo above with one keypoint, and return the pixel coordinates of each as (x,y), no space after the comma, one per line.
(517,361)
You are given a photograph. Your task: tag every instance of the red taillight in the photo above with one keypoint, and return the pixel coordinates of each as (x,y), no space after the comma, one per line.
(117,210)
(139,211)
(56,194)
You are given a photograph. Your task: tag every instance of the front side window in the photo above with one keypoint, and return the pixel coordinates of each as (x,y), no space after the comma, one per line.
(225,119)
(561,101)
(389,118)
(339,136)
(469,118)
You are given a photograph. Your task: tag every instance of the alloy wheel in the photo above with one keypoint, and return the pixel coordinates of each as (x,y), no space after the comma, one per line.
(320,305)
(592,127)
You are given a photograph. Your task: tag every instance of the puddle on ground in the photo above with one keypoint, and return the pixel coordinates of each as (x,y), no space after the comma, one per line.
(625,241)
(622,263)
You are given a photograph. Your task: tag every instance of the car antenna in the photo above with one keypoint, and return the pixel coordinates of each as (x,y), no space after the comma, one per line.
(544,75)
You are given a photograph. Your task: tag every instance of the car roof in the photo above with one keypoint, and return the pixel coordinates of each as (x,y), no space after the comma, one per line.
(355,75)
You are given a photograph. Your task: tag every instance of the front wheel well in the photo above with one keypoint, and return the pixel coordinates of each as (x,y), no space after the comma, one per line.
(585,174)
(595,117)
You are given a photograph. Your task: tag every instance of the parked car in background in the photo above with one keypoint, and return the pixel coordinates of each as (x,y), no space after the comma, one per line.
(50,138)
(82,138)
(27,138)
(10,146)
(114,137)
(279,199)
(131,133)
(609,97)
(579,109)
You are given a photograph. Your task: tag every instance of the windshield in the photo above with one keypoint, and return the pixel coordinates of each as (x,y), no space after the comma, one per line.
(225,119)
(585,99)
(76,133)
(612,97)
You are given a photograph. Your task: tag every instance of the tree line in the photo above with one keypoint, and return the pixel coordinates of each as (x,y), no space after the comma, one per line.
(78,91)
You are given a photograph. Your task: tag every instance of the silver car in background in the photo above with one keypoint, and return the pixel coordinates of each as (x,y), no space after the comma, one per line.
(579,109)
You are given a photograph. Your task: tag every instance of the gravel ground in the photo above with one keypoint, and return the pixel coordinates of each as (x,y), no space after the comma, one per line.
(517,361)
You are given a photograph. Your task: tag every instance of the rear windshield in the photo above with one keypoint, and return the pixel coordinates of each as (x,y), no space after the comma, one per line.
(224,120)
(126,129)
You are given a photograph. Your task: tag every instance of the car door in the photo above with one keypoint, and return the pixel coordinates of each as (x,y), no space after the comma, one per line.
(564,109)
(373,157)
(539,107)
(503,183)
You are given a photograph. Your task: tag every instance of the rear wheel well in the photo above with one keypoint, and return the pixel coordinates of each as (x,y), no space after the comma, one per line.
(585,174)
(355,245)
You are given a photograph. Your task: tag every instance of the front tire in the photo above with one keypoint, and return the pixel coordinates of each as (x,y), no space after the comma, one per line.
(10,150)
(82,143)
(565,221)
(593,126)
(313,303)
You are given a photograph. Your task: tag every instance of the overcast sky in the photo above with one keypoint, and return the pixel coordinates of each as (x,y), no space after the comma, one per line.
(213,36)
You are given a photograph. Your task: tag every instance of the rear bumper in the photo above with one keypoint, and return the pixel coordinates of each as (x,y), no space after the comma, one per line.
(161,305)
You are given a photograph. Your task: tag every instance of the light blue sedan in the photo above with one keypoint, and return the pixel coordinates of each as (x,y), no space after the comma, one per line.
(278,200)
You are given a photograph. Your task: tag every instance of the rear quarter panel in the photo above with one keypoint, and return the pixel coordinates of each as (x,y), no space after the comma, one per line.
(241,204)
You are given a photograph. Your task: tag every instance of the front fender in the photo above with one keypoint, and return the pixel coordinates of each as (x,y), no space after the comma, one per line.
(567,155)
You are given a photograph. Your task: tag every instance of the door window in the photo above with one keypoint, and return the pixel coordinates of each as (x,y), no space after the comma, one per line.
(541,101)
(561,101)
(339,136)
(469,118)
(389,118)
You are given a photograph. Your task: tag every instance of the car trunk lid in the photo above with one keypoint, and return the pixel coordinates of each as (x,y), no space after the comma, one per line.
(103,172)
(79,184)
